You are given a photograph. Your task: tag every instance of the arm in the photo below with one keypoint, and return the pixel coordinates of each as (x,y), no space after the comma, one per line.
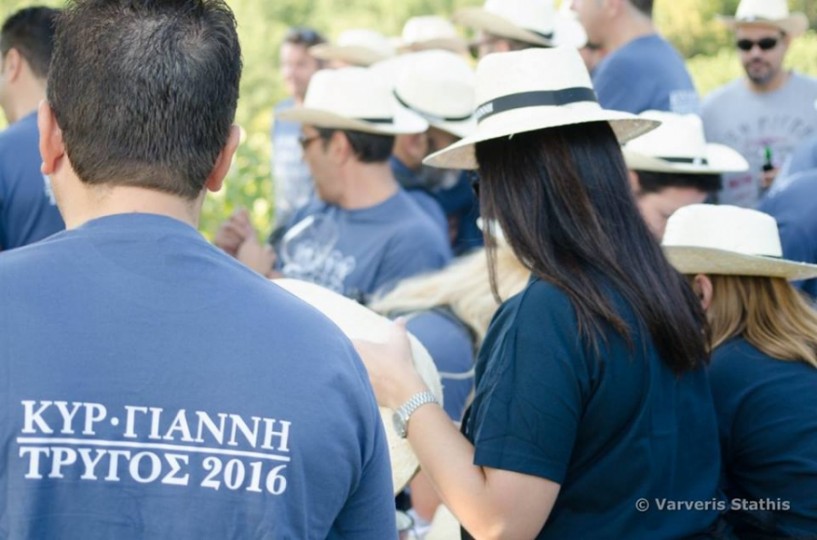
(490,503)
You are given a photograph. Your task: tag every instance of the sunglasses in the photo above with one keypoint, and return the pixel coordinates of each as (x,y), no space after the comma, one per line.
(305,141)
(765,44)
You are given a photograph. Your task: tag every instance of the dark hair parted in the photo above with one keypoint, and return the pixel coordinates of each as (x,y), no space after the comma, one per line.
(563,201)
(644,6)
(367,147)
(654,182)
(31,32)
(145,91)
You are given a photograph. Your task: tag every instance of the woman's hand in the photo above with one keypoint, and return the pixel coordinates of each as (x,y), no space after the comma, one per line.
(391,367)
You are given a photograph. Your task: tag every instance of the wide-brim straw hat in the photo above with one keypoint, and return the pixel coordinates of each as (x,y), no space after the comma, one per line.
(529,90)
(359,322)
(358,47)
(768,13)
(529,21)
(430,32)
(353,98)
(678,145)
(728,240)
(438,85)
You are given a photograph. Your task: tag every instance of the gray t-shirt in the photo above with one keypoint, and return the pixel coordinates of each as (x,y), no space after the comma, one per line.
(750,122)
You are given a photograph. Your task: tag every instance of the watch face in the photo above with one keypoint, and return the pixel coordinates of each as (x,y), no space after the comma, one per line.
(399,425)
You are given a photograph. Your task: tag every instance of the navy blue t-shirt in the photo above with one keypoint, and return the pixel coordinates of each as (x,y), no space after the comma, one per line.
(611,428)
(768,430)
(154,387)
(28,211)
(645,74)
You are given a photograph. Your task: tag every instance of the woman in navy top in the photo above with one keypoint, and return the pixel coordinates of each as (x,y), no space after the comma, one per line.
(764,365)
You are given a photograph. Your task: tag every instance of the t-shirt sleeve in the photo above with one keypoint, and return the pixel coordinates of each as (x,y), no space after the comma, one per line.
(536,383)
(615,91)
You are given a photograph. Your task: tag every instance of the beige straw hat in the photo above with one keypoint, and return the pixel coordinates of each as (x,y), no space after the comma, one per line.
(529,90)
(678,146)
(359,322)
(356,99)
(728,240)
(358,47)
(430,32)
(768,13)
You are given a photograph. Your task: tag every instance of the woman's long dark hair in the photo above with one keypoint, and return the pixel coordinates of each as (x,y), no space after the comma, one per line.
(563,201)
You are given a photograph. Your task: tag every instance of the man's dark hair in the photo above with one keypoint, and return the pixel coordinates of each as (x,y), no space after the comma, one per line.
(654,182)
(145,92)
(644,6)
(368,147)
(31,32)
(304,36)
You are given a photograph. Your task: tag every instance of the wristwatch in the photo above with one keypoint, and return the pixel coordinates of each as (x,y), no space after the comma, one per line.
(403,413)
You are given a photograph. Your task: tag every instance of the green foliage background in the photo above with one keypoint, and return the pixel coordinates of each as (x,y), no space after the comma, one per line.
(689,24)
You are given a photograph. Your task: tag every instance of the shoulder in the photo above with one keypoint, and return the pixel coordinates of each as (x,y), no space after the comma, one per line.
(21,133)
(723,93)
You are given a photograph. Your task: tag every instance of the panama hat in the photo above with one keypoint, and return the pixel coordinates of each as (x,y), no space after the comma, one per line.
(359,322)
(530,21)
(768,13)
(678,146)
(430,32)
(356,99)
(728,240)
(530,90)
(359,47)
(439,86)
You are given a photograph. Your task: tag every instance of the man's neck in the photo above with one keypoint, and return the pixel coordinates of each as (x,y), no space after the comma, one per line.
(367,185)
(627,29)
(92,202)
(25,101)
(776,83)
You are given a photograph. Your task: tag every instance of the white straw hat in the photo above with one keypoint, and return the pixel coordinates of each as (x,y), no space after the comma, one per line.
(359,47)
(430,32)
(768,13)
(728,240)
(678,146)
(530,90)
(356,99)
(439,86)
(359,322)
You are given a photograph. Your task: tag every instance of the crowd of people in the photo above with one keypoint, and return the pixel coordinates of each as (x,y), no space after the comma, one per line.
(614,278)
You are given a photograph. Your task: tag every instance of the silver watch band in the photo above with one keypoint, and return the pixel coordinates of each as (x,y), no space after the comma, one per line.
(415,402)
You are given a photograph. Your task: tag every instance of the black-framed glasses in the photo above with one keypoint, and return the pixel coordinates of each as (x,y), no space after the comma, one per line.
(305,141)
(765,44)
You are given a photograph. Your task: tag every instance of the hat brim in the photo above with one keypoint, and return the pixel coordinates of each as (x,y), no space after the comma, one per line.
(359,322)
(701,260)
(491,23)
(459,129)
(404,122)
(720,159)
(351,54)
(454,45)
(794,25)
(461,155)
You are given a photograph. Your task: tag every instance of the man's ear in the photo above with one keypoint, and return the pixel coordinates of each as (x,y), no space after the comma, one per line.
(339,148)
(224,160)
(702,286)
(12,64)
(52,147)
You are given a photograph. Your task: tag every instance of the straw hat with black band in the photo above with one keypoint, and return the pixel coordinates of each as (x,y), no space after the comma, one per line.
(430,32)
(357,47)
(768,13)
(529,90)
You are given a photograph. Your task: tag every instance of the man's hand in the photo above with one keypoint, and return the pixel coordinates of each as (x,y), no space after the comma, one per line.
(234,232)
(260,258)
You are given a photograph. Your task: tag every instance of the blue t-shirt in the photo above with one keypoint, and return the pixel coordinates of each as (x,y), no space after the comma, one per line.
(610,428)
(153,387)
(645,74)
(451,346)
(359,252)
(768,431)
(28,211)
(795,209)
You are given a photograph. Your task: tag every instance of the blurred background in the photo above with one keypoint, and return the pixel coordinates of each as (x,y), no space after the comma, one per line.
(691,25)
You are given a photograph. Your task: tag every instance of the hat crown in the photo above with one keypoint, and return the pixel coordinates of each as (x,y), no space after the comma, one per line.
(678,136)
(770,10)
(723,227)
(530,70)
(439,83)
(351,92)
(536,15)
(366,38)
(427,28)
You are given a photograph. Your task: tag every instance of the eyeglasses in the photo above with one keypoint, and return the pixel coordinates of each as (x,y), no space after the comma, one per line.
(305,141)
(765,44)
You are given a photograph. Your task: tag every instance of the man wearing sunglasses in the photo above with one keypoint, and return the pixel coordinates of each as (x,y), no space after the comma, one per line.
(765,114)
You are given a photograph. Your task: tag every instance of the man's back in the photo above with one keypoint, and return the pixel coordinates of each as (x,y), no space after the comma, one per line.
(28,211)
(154,387)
